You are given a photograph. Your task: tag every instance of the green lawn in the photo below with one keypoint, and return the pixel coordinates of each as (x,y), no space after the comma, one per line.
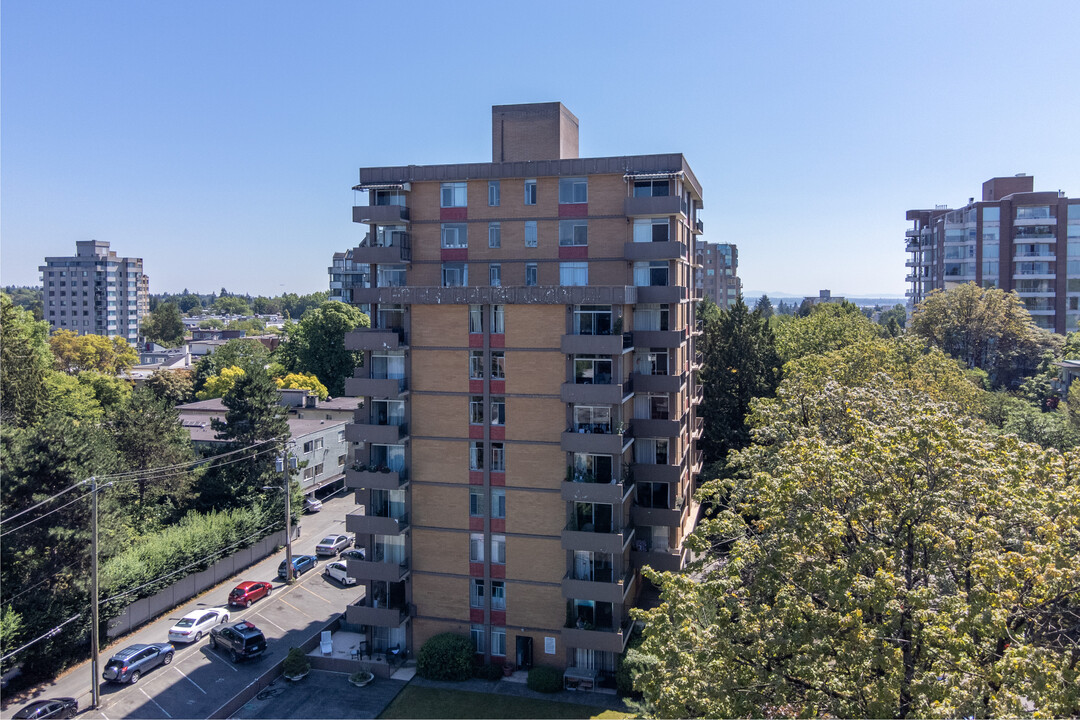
(418,702)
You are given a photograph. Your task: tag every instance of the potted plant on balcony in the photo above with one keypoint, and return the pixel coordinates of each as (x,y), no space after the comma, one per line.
(361,678)
(384,468)
(296,665)
(373,467)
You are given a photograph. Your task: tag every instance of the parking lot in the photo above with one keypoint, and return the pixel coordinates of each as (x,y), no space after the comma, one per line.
(322,694)
(199,680)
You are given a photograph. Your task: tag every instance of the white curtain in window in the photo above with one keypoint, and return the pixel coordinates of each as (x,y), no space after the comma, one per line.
(645,450)
(642,406)
(583,565)
(647,317)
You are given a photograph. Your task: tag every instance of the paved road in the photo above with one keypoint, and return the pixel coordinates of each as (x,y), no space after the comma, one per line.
(201,680)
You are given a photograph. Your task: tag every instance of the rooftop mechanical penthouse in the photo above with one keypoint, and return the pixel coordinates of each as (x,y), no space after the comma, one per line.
(530,419)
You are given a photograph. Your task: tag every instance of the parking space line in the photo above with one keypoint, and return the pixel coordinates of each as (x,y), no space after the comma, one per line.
(266,619)
(213,654)
(155,702)
(328,602)
(190,680)
(295,608)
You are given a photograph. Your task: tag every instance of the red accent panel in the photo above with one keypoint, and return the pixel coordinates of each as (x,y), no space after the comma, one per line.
(458,213)
(476,432)
(498,432)
(497,341)
(455,254)
(476,477)
(572,252)
(498,478)
(498,387)
(476,340)
(476,523)
(477,386)
(498,571)
(574,210)
(498,525)
(498,617)
(476,615)
(476,569)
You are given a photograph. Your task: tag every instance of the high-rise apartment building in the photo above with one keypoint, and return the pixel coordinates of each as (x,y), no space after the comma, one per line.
(95,292)
(717,272)
(530,416)
(1014,239)
(345,274)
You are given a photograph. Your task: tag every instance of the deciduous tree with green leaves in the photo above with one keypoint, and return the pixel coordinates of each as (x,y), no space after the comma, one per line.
(165,325)
(316,344)
(74,353)
(824,327)
(25,362)
(303,381)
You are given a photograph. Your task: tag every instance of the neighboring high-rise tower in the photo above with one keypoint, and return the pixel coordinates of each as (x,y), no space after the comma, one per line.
(717,272)
(95,292)
(530,416)
(1014,239)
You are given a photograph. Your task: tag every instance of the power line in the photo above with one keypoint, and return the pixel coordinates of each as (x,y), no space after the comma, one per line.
(39,517)
(46,636)
(48,500)
(188,465)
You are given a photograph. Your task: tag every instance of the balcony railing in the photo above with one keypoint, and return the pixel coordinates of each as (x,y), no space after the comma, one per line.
(586,536)
(367,612)
(374,477)
(376,339)
(605,639)
(600,585)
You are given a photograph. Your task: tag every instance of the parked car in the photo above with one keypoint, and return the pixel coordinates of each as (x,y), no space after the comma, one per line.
(242,640)
(51,708)
(191,627)
(129,664)
(356,553)
(301,564)
(311,505)
(333,544)
(248,592)
(337,571)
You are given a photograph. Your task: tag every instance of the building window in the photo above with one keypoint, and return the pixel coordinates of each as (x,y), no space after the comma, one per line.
(592,370)
(573,190)
(309,446)
(498,364)
(341,460)
(455,274)
(651,230)
(476,364)
(498,458)
(530,192)
(652,188)
(454,194)
(476,455)
(573,232)
(476,503)
(651,273)
(530,274)
(495,275)
(498,326)
(530,233)
(493,193)
(476,410)
(476,547)
(498,602)
(498,410)
(498,641)
(494,235)
(319,469)
(455,235)
(498,549)
(476,594)
(388,197)
(498,503)
(1032,212)
(594,320)
(476,319)
(478,639)
(573,273)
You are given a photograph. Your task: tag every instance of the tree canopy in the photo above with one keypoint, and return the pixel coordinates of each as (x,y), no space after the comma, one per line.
(316,344)
(74,353)
(303,381)
(219,385)
(165,325)
(823,327)
(25,362)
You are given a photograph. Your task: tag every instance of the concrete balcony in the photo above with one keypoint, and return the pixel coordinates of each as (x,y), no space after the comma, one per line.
(656,516)
(595,443)
(378,434)
(661,293)
(657,383)
(362,478)
(596,492)
(383,254)
(654,250)
(606,640)
(362,613)
(697,428)
(380,214)
(642,206)
(369,570)
(599,590)
(698,228)
(605,542)
(503,295)
(661,561)
(375,339)
(644,427)
(649,472)
(596,344)
(658,338)
(375,387)
(609,394)
(376,525)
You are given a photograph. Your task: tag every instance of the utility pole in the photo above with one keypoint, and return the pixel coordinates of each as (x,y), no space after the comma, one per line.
(284,464)
(95,693)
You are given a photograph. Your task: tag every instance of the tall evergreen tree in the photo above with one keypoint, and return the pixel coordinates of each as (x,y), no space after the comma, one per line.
(764,307)
(740,364)
(25,363)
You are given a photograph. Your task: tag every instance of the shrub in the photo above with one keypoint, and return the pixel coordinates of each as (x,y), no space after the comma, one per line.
(545,679)
(296,663)
(489,672)
(446,656)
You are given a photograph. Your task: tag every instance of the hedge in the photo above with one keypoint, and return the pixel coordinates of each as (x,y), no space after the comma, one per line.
(545,679)
(446,656)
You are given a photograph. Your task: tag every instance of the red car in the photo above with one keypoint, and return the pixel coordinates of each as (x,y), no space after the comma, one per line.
(248,592)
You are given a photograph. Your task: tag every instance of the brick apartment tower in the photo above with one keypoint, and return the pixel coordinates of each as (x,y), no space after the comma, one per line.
(717,272)
(1014,238)
(530,413)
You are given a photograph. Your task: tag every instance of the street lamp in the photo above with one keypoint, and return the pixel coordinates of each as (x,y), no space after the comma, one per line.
(280,465)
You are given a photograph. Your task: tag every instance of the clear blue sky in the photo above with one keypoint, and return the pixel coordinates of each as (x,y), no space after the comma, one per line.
(219,140)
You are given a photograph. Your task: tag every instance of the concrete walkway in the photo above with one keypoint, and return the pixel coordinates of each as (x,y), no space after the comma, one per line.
(519,689)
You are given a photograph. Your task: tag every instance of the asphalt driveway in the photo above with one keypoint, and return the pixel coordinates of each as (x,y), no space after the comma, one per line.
(322,694)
